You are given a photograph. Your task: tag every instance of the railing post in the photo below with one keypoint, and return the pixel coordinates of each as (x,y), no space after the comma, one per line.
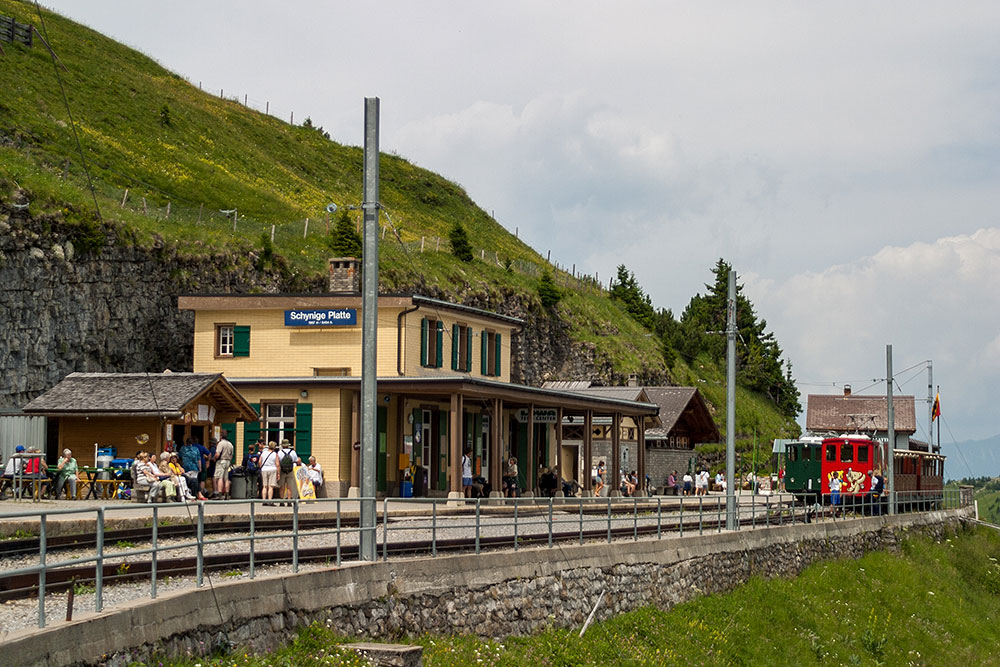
(152,564)
(718,514)
(680,521)
(609,519)
(99,574)
(477,524)
(659,517)
(385,529)
(550,526)
(753,510)
(253,540)
(338,532)
(41,573)
(701,513)
(295,535)
(635,519)
(434,518)
(581,519)
(515,522)
(199,579)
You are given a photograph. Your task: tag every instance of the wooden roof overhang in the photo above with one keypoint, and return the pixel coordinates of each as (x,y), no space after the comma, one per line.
(513,395)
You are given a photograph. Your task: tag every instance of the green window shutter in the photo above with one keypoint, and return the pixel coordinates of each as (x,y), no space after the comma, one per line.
(251,431)
(485,357)
(497,373)
(468,349)
(241,341)
(303,430)
(423,342)
(439,344)
(454,347)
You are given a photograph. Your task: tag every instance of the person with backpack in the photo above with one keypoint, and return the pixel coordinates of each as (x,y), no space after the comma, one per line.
(269,472)
(287,460)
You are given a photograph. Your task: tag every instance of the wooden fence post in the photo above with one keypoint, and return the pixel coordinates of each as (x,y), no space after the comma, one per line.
(272,233)
(168,210)
(421,244)
(124,199)
(145,211)
(305,230)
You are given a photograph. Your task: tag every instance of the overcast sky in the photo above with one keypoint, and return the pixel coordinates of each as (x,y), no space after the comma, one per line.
(842,155)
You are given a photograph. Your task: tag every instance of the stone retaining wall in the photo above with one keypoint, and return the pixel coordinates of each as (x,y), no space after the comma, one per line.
(495,594)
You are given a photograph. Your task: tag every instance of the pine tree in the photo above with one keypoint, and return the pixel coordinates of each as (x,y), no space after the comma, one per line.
(547,290)
(627,292)
(344,240)
(460,246)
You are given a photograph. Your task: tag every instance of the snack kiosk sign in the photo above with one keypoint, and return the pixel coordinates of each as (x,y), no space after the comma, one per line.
(321,318)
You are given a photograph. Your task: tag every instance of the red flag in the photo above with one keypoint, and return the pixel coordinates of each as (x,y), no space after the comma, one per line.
(936,412)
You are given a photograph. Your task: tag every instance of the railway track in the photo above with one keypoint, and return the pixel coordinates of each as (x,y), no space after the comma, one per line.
(57,580)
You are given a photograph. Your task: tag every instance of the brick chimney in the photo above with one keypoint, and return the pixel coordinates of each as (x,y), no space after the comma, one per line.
(633,380)
(847,390)
(345,275)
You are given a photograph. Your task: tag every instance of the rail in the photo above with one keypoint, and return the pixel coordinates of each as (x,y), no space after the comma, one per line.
(497,523)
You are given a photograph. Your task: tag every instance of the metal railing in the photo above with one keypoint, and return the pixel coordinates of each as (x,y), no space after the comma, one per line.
(466,524)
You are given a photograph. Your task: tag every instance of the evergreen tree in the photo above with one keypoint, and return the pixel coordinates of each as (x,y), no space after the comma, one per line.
(344,240)
(547,290)
(627,292)
(460,246)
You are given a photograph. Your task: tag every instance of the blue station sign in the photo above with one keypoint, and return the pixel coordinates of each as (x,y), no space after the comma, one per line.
(321,318)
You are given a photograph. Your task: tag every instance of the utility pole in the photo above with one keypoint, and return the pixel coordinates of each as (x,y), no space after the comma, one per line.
(369,324)
(891,417)
(930,407)
(731,404)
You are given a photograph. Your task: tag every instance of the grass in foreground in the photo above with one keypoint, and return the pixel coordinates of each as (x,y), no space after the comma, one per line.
(936,604)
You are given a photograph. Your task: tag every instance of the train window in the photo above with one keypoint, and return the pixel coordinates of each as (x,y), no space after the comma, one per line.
(793,454)
(831,452)
(847,453)
(815,453)
(862,453)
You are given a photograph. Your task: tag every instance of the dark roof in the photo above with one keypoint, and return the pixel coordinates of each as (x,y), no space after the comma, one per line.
(148,394)
(687,402)
(844,414)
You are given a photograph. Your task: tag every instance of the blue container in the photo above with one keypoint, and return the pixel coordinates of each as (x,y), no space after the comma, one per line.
(121,463)
(407,490)
(107,451)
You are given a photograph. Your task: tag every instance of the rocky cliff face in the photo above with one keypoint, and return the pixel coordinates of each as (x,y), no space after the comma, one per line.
(85,299)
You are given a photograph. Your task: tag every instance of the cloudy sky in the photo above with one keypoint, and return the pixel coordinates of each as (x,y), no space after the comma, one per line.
(844,156)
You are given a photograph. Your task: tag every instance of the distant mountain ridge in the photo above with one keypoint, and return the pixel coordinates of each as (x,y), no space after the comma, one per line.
(972,458)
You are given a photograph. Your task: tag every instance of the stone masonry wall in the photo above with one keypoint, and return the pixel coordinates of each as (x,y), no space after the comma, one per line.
(494,594)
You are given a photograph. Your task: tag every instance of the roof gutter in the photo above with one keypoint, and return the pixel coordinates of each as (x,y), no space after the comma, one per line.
(399,336)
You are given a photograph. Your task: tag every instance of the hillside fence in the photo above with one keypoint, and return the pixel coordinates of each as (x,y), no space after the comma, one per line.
(148,204)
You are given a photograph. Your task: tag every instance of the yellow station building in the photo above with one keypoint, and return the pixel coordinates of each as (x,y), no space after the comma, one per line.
(444,384)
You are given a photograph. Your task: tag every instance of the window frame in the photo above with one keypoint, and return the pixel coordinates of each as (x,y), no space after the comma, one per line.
(231,327)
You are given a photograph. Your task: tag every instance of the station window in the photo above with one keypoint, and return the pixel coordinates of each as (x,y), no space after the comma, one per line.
(232,340)
(279,422)
(431,342)
(847,453)
(461,348)
(491,353)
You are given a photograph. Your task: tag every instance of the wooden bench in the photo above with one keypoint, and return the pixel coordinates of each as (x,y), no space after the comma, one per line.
(105,487)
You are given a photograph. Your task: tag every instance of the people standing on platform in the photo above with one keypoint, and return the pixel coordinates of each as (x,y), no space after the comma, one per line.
(224,452)
(688,483)
(467,472)
(269,472)
(510,479)
(66,475)
(191,460)
(286,471)
(599,479)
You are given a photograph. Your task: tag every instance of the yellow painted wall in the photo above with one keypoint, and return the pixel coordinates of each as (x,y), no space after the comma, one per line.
(280,351)
(411,344)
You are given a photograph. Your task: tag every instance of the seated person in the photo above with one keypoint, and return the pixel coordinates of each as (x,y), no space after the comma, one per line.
(315,471)
(627,486)
(67,475)
(570,488)
(548,483)
(14,466)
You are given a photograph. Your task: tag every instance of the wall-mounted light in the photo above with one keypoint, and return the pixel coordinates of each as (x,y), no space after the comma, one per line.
(304,393)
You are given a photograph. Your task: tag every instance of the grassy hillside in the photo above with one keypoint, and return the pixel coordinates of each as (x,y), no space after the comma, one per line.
(170,163)
(935,604)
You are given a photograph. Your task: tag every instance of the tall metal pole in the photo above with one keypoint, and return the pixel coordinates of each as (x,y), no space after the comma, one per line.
(369,324)
(930,405)
(731,404)
(891,418)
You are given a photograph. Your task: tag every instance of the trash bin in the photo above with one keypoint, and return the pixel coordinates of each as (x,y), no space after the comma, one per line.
(238,484)
(420,482)
(406,490)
